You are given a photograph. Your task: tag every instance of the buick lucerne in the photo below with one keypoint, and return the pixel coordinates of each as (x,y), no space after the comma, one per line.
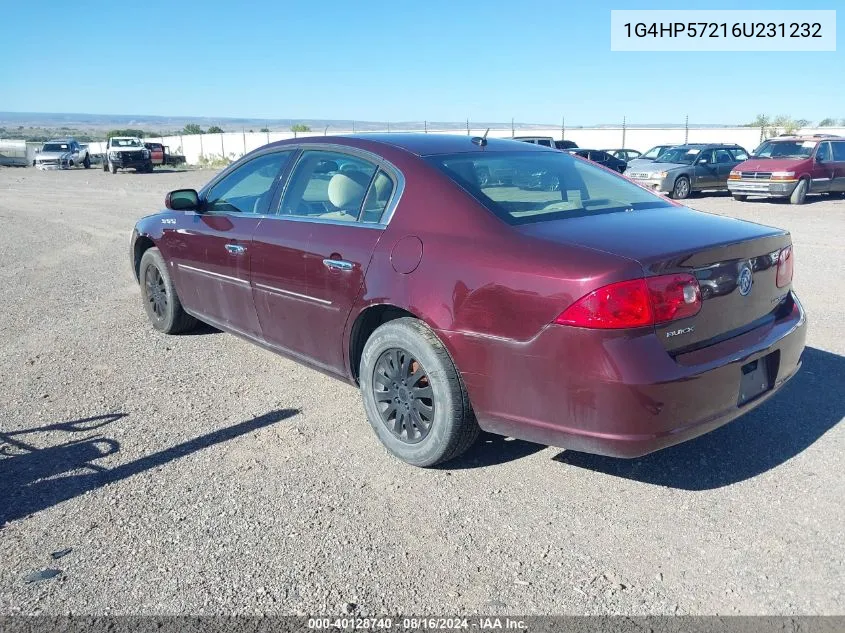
(472,283)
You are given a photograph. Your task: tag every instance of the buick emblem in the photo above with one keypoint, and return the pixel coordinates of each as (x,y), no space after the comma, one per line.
(745,280)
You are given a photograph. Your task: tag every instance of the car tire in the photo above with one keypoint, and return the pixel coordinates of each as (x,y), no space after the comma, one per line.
(113,167)
(159,297)
(436,419)
(799,194)
(86,162)
(740,198)
(148,168)
(681,188)
(105,165)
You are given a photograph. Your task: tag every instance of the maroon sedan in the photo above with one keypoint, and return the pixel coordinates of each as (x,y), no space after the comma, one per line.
(469,284)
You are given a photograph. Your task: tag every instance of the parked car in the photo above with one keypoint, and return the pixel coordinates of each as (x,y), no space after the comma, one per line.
(546,141)
(624,154)
(173,159)
(157,155)
(602,158)
(791,168)
(686,168)
(571,317)
(648,157)
(565,144)
(127,152)
(62,153)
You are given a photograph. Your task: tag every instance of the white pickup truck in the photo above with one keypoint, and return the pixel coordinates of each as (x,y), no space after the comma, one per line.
(127,152)
(62,153)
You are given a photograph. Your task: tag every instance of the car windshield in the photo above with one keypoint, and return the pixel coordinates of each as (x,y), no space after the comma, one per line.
(680,155)
(55,147)
(785,149)
(654,152)
(125,142)
(525,187)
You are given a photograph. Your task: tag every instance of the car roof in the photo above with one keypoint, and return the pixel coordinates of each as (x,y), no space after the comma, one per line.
(805,137)
(423,144)
(705,145)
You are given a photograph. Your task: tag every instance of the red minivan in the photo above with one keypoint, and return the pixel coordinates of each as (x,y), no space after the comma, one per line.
(791,167)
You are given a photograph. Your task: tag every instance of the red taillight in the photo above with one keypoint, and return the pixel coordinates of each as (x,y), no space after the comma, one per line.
(785,266)
(674,297)
(636,303)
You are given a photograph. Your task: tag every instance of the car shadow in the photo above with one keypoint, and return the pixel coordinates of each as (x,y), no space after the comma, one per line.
(33,478)
(202,329)
(811,404)
(491,450)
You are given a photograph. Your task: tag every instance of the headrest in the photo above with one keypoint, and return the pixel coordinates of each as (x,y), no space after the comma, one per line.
(347,189)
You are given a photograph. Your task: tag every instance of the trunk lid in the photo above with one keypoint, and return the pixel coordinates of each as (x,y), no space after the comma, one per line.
(721,252)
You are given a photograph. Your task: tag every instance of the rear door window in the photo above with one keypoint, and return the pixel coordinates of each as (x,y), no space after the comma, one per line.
(327,185)
(378,198)
(723,156)
(838,151)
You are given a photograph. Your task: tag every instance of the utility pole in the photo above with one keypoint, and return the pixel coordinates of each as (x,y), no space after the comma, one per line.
(686,129)
(623,132)
(513,132)
(562,128)
(353,127)
(425,126)
(467,127)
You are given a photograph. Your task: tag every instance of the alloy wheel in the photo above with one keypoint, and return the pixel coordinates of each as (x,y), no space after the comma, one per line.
(403,395)
(156,292)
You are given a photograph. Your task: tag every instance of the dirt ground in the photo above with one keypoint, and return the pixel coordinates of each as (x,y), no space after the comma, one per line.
(201,474)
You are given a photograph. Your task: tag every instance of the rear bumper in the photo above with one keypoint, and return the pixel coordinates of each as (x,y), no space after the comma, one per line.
(617,393)
(766,188)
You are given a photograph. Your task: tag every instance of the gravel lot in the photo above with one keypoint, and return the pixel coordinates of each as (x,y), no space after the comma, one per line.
(202,474)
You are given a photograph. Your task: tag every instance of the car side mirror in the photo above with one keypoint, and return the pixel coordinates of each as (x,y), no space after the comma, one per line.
(702,161)
(182,200)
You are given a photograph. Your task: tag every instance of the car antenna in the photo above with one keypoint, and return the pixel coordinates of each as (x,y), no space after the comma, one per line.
(481,141)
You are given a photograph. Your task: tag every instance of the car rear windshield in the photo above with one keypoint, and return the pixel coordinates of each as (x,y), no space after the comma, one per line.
(785,149)
(654,152)
(525,187)
(55,147)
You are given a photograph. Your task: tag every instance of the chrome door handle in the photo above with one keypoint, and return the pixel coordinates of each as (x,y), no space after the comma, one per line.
(338,264)
(235,249)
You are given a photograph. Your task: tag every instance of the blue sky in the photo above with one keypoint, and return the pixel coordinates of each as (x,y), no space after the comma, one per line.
(440,60)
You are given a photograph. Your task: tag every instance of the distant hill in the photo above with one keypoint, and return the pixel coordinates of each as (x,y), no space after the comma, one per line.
(103,122)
